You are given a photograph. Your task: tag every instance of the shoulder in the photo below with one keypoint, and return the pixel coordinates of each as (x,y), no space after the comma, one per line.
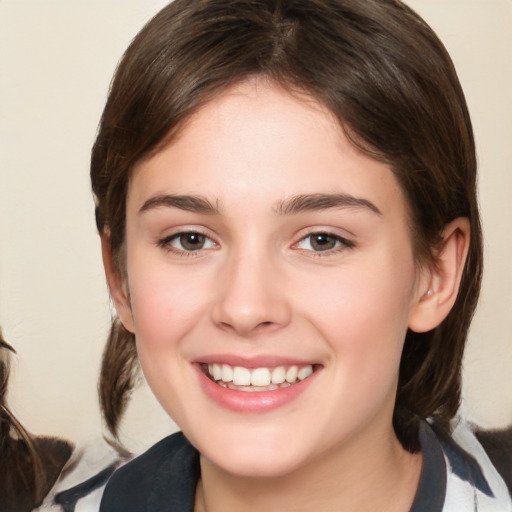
(167,472)
(472,482)
(82,481)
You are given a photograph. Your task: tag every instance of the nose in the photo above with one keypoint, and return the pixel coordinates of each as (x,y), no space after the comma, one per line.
(251,297)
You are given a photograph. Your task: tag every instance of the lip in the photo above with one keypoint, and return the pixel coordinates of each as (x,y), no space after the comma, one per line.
(256,402)
(252,362)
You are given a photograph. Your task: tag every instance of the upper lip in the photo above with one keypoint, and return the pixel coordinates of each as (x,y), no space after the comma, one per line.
(260,361)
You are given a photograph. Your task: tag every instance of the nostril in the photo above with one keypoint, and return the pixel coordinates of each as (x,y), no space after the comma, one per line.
(265,326)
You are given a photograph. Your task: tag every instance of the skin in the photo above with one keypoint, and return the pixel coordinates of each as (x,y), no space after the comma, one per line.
(260,287)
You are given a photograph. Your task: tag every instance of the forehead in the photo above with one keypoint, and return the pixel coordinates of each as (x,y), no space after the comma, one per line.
(258,141)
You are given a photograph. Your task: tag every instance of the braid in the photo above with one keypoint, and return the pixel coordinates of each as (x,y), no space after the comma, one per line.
(118,376)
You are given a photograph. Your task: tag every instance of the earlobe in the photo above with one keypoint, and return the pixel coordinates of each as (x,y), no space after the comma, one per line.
(438,289)
(116,285)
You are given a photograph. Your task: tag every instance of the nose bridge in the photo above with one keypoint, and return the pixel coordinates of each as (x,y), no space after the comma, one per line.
(250,298)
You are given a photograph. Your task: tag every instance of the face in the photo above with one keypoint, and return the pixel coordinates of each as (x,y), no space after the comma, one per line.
(271,280)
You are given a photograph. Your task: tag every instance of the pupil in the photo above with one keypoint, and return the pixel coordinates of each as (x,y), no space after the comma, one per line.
(192,241)
(323,242)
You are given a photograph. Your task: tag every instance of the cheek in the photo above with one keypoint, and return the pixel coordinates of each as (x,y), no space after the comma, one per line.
(166,304)
(363,313)
(166,308)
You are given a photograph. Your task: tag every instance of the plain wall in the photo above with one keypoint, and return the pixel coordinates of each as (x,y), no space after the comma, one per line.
(56,61)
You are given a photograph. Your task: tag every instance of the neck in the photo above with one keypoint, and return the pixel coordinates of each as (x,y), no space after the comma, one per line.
(363,477)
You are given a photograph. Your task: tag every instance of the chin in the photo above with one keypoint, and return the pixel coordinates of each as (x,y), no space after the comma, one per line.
(254,455)
(257,465)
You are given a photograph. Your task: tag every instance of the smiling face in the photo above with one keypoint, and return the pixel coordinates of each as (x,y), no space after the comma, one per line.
(271,280)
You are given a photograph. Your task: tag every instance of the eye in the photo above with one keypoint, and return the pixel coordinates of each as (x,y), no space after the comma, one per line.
(323,242)
(187,241)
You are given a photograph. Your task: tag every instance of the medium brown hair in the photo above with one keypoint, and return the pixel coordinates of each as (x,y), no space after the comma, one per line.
(391,84)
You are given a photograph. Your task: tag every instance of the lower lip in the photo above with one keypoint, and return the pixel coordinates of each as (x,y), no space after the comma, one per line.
(252,401)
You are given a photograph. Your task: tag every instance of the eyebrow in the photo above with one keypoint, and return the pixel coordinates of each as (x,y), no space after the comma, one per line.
(293,205)
(311,202)
(188,203)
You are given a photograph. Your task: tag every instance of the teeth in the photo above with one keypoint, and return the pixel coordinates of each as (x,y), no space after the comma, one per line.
(261,377)
(241,376)
(258,379)
(231,385)
(305,372)
(227,373)
(252,389)
(291,374)
(217,371)
(278,375)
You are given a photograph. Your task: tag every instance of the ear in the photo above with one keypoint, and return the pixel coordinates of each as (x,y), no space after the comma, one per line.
(438,287)
(117,284)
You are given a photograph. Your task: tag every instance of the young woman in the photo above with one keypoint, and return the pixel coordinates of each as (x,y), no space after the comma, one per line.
(287,207)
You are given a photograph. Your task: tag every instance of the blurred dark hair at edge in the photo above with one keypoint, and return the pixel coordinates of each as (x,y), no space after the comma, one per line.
(29,465)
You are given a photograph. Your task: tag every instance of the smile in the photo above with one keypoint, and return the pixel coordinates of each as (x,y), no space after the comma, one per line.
(240,378)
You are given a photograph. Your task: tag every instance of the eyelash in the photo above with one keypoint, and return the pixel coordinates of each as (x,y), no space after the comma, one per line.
(340,242)
(166,243)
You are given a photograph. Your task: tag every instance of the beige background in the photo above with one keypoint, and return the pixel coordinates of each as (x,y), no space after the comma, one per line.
(56,61)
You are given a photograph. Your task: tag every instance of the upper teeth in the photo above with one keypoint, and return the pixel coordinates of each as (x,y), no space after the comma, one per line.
(241,376)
